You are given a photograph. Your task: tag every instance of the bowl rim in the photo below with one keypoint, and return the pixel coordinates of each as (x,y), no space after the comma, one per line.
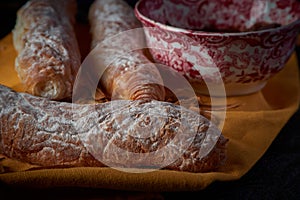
(154,23)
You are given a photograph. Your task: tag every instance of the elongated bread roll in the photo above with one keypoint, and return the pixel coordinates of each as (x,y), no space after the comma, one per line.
(48,54)
(51,133)
(129,74)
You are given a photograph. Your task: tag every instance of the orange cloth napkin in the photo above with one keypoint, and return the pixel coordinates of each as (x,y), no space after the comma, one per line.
(251,127)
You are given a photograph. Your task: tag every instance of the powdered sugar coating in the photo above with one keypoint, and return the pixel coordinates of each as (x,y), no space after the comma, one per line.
(50,133)
(48,54)
(109,18)
(129,73)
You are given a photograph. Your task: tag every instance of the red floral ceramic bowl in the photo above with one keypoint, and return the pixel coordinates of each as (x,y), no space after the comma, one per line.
(238,43)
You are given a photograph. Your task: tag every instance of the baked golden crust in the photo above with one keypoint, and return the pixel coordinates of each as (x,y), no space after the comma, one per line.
(129,74)
(48,53)
(51,133)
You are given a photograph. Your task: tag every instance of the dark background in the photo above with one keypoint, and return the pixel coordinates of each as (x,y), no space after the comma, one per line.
(275,176)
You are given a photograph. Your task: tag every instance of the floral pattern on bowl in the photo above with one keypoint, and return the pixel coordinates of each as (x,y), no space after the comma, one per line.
(238,43)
